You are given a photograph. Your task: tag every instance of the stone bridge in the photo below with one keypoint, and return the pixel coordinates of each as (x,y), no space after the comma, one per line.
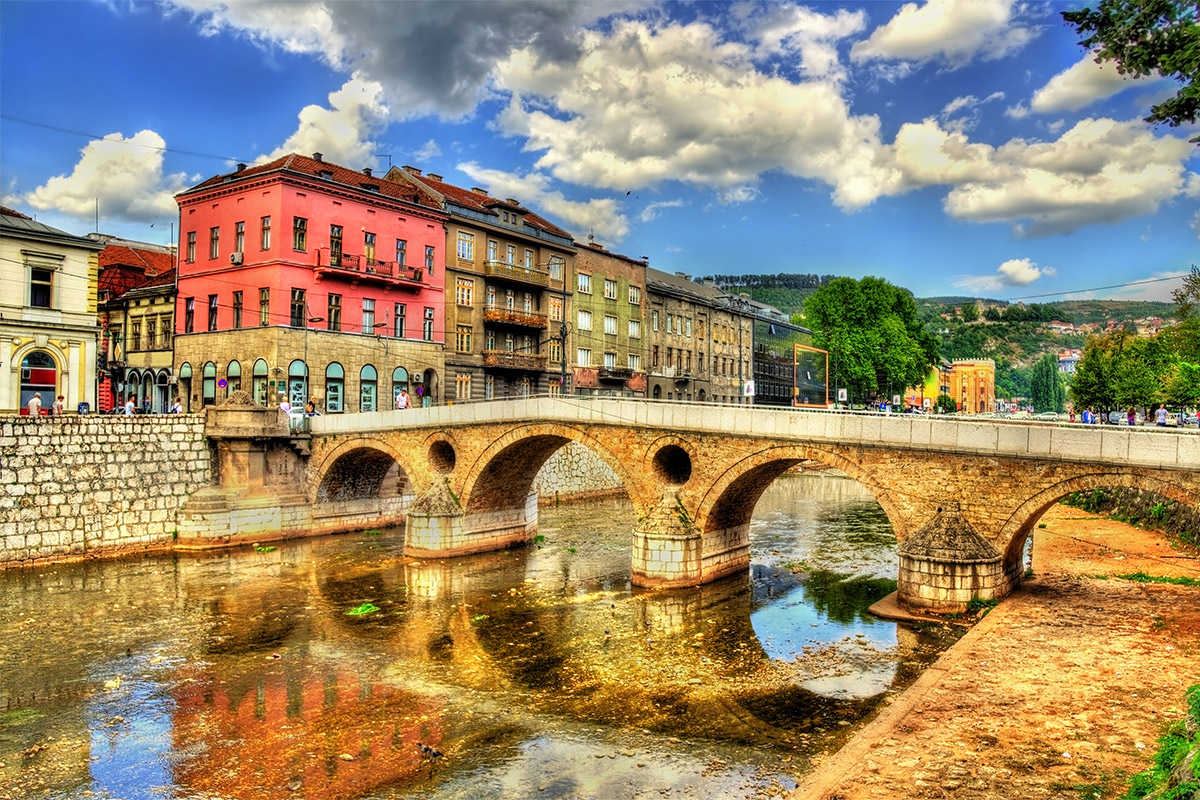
(962,495)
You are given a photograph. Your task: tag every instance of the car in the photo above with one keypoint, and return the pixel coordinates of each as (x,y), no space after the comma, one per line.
(1047,416)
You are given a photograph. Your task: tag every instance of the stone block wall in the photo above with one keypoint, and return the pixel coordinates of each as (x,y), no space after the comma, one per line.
(575,472)
(76,485)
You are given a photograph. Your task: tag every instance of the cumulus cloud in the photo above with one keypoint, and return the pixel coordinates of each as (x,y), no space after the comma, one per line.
(1079,85)
(802,33)
(599,216)
(1012,273)
(953,32)
(121,176)
(652,211)
(342,131)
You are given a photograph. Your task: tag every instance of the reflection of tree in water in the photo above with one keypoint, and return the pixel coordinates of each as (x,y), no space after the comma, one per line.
(842,598)
(862,523)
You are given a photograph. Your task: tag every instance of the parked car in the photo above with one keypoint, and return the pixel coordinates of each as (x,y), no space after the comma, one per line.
(1047,416)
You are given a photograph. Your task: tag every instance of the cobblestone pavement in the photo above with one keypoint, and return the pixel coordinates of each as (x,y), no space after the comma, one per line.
(1060,692)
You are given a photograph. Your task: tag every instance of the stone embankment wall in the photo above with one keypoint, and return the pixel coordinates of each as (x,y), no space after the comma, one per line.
(574,473)
(76,485)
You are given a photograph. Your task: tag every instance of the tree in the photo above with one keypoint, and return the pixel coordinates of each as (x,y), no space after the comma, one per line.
(1046,390)
(1145,37)
(969,311)
(876,341)
(945,404)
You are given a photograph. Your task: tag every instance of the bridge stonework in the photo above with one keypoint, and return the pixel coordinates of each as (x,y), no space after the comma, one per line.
(695,473)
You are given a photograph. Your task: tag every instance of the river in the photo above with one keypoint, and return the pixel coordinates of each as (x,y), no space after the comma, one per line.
(338,668)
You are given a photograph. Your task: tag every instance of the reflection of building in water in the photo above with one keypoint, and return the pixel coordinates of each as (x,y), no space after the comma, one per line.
(258,733)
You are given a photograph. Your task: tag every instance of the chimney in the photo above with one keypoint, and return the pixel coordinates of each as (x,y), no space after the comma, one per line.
(318,157)
(367,171)
(412,171)
(478,191)
(241,167)
(512,202)
(434,177)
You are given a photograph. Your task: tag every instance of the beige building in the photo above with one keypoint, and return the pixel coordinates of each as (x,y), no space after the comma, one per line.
(972,384)
(48,328)
(609,327)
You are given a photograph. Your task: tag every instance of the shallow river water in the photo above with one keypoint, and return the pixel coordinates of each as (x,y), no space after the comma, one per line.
(338,668)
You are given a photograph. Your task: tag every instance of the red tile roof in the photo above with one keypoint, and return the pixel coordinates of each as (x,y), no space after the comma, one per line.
(311,167)
(150,262)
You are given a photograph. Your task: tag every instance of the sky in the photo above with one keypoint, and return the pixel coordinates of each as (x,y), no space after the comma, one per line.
(951,147)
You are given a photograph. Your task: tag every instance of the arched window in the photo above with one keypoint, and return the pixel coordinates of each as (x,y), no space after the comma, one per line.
(657,392)
(162,390)
(38,374)
(146,400)
(233,377)
(335,388)
(298,384)
(258,382)
(185,385)
(367,389)
(209,385)
(399,382)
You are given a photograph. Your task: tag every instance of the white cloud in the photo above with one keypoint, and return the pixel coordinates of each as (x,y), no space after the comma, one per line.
(788,30)
(341,132)
(1158,287)
(736,195)
(955,32)
(651,212)
(1196,224)
(1012,273)
(599,216)
(121,176)
(1080,85)
(428,150)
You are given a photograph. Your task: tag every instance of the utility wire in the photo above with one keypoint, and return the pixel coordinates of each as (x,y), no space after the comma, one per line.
(1102,288)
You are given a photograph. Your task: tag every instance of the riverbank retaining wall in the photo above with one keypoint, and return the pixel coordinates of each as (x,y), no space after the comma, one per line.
(77,485)
(575,473)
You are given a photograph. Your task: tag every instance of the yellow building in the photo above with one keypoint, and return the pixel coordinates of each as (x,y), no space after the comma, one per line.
(973,385)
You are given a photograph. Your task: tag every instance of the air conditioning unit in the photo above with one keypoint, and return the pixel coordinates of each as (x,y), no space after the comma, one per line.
(235,258)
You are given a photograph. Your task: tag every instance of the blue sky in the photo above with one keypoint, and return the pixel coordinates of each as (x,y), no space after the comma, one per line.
(953,147)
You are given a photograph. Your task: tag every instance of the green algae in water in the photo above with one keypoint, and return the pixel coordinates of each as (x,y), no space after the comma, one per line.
(365,608)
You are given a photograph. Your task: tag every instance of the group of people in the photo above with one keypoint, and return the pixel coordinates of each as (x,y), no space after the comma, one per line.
(126,407)
(35,405)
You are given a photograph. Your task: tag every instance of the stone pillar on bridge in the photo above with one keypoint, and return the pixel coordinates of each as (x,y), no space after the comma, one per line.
(946,564)
(437,526)
(668,549)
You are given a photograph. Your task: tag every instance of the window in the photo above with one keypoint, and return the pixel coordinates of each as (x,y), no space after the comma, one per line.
(462,339)
(556,268)
(583,283)
(466,246)
(635,362)
(610,289)
(654,357)
(670,323)
(367,388)
(635,295)
(399,311)
(264,307)
(191,247)
(527,303)
(369,245)
(335,388)
(299,233)
(297,385)
(335,245)
(610,360)
(135,339)
(212,312)
(239,237)
(489,387)
(584,319)
(429,258)
(635,329)
(491,256)
(583,357)
(233,377)
(462,386)
(151,334)
(491,296)
(687,327)
(264,239)
(368,315)
(510,254)
(528,259)
(237,310)
(427,325)
(333,312)
(401,251)
(214,242)
(258,382)
(208,391)
(299,312)
(399,383)
(654,320)
(464,289)
(510,299)
(556,309)
(189,314)
(610,325)
(554,351)
(41,287)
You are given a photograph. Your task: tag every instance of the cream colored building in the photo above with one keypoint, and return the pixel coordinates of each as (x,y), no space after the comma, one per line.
(48,327)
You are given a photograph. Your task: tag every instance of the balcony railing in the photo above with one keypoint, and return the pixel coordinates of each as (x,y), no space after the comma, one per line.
(503,359)
(363,268)
(516,272)
(512,316)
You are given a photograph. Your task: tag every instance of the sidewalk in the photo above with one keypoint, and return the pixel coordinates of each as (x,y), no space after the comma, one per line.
(1060,692)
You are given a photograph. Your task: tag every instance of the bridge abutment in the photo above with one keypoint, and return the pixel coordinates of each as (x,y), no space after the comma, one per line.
(437,526)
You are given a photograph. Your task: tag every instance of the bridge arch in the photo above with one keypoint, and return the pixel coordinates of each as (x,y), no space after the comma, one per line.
(355,470)
(504,471)
(1021,523)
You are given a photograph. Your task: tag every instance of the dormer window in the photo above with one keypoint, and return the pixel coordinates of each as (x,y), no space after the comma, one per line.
(326,175)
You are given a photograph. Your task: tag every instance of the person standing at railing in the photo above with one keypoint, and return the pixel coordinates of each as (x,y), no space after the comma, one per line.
(402,400)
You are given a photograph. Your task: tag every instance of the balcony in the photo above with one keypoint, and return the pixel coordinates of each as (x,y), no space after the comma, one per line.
(512,316)
(516,272)
(361,268)
(503,359)
(614,373)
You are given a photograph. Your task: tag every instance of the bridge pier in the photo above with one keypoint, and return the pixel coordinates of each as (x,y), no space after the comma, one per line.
(437,526)
(670,552)
(946,564)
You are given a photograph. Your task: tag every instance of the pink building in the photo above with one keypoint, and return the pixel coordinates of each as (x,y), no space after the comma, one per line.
(305,279)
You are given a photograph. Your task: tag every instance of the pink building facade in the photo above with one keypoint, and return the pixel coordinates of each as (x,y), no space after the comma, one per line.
(300,279)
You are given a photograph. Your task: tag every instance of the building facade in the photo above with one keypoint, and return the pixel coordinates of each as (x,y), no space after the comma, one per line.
(48,322)
(303,279)
(508,293)
(973,385)
(609,328)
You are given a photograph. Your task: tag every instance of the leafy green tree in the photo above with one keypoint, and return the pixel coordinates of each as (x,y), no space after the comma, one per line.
(969,311)
(876,341)
(1092,386)
(1046,390)
(945,404)
(1186,335)
(991,314)
(1141,371)
(1145,37)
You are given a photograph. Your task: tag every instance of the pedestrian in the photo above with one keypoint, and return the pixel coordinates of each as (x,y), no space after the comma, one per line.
(402,399)
(1131,416)
(310,408)
(35,405)
(129,406)
(1071,418)
(177,406)
(284,405)
(1160,416)
(57,407)
(146,405)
